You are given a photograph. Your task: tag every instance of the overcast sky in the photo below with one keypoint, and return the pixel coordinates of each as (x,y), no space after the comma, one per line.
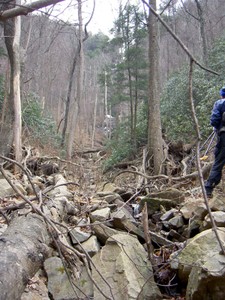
(106,11)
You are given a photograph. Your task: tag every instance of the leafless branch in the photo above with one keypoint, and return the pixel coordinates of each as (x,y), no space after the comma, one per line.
(186,50)
(188,12)
(24,10)
(162,176)
(166,6)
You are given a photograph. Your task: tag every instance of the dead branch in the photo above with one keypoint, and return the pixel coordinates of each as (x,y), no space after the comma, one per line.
(192,176)
(184,163)
(59,159)
(26,9)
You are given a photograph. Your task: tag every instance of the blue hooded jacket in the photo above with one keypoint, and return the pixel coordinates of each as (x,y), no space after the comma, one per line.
(217,112)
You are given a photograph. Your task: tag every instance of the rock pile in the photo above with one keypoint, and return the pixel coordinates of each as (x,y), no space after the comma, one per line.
(109,231)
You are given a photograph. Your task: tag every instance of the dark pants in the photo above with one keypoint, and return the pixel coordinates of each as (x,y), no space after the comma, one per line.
(216,171)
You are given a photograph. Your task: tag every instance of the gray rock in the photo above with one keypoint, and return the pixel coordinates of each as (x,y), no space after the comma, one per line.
(217,203)
(123,220)
(91,246)
(109,197)
(111,187)
(100,214)
(219,218)
(103,232)
(176,222)
(78,234)
(168,215)
(202,266)
(194,207)
(59,286)
(128,275)
(5,188)
(3,227)
(61,189)
(155,204)
(159,239)
(171,194)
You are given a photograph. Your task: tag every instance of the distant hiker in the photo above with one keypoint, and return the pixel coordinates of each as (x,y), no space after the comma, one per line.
(217,120)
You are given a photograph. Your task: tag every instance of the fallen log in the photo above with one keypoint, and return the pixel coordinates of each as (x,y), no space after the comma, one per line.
(23,246)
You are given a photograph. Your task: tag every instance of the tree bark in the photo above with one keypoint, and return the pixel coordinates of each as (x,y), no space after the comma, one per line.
(12,31)
(23,248)
(94,121)
(155,142)
(16,91)
(202,32)
(7,126)
(79,90)
(68,97)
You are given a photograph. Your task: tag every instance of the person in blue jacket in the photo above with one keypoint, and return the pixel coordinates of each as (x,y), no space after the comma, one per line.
(217,120)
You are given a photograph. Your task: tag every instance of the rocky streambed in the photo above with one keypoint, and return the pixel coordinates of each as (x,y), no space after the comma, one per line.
(96,247)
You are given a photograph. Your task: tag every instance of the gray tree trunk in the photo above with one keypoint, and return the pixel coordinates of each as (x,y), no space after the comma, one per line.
(7,126)
(16,91)
(155,142)
(79,90)
(202,32)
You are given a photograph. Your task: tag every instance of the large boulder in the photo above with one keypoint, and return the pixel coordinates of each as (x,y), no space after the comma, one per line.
(123,271)
(59,285)
(167,199)
(202,266)
(155,204)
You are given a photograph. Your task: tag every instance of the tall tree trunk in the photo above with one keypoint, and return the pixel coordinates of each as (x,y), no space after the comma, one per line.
(202,32)
(155,142)
(94,121)
(79,90)
(16,90)
(13,125)
(106,94)
(68,99)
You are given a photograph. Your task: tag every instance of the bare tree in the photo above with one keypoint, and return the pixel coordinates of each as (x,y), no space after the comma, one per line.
(16,90)
(82,36)
(9,12)
(69,95)
(12,31)
(79,87)
(155,141)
